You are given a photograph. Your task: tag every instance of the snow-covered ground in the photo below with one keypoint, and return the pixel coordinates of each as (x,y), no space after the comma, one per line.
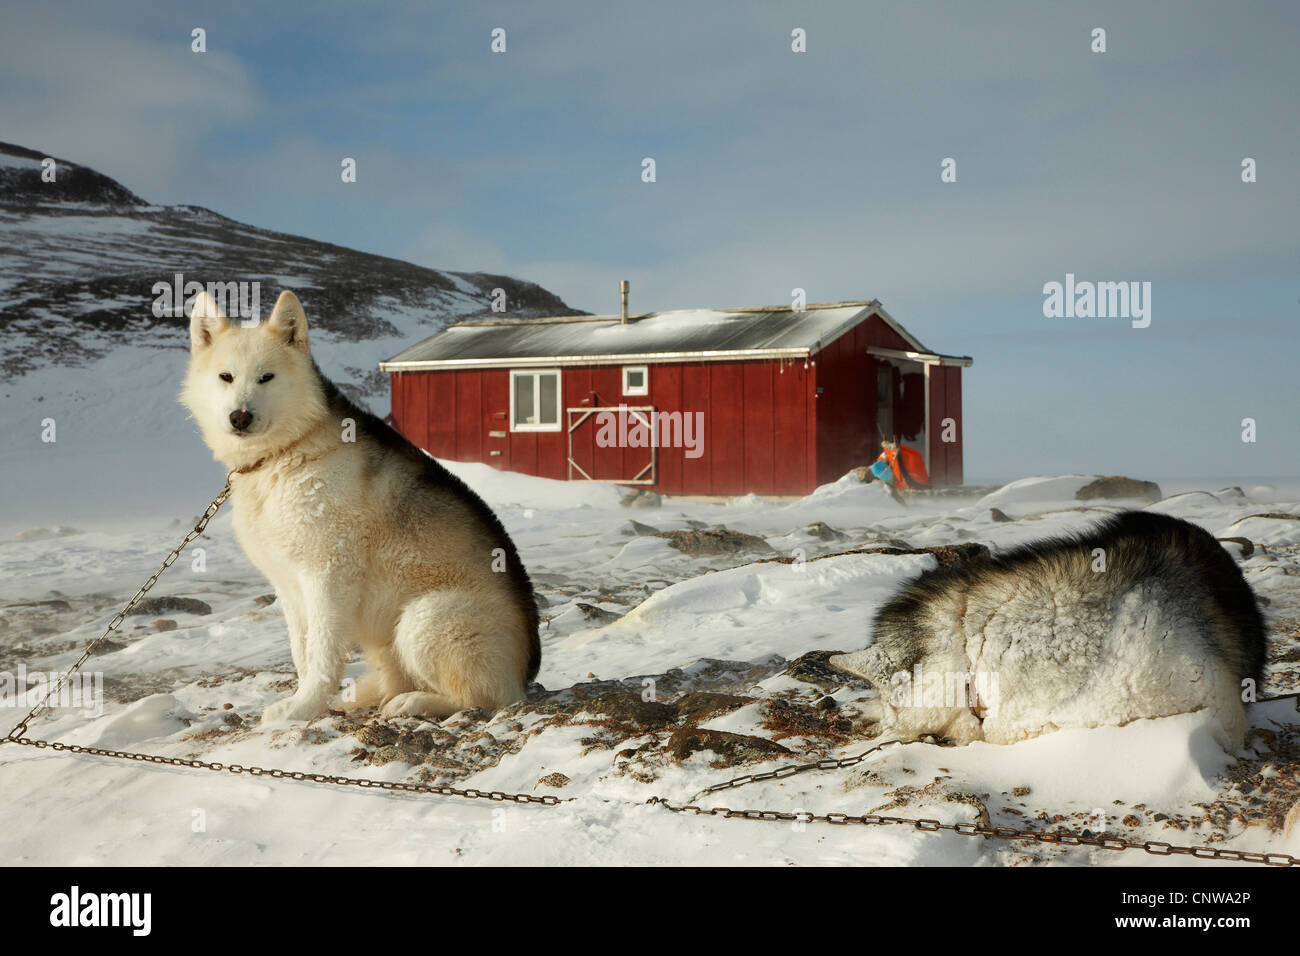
(723,640)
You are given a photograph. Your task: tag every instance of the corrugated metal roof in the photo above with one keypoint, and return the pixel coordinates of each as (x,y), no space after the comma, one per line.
(650,336)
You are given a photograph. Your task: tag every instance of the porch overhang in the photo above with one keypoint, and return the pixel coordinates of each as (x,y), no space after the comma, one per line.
(925,358)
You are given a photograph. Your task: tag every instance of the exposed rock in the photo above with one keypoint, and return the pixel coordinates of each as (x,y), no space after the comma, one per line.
(377,735)
(416,741)
(812,668)
(824,532)
(164,624)
(862,473)
(641,498)
(596,615)
(1117,486)
(392,754)
(264,600)
(730,749)
(171,605)
(556,779)
(51,605)
(711,542)
(704,705)
(946,554)
(982,818)
(789,719)
(999,515)
(441,761)
(628,707)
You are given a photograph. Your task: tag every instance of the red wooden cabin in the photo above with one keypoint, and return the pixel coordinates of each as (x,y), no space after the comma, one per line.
(770,401)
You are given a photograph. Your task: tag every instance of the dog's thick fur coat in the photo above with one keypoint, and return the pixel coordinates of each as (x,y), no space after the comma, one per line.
(368,541)
(1169,626)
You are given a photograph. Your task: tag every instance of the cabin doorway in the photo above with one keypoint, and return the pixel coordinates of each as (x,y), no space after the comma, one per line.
(902,406)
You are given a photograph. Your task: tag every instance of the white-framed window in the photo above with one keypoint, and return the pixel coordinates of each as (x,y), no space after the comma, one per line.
(535,400)
(636,380)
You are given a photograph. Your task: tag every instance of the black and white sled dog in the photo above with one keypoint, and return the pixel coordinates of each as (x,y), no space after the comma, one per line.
(1144,615)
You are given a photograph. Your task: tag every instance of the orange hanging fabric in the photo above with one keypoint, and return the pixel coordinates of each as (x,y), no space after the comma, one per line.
(914,465)
(904,462)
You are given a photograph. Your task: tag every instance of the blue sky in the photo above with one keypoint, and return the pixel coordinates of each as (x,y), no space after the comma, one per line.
(775,170)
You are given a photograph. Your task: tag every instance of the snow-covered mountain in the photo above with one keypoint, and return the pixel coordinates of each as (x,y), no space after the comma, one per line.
(83,253)
(80,342)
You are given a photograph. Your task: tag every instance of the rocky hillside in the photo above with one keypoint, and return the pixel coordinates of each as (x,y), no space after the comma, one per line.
(81,256)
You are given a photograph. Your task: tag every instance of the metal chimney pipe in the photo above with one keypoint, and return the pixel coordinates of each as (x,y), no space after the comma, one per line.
(622,289)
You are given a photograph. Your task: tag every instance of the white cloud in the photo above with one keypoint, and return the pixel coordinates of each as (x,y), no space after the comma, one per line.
(134,108)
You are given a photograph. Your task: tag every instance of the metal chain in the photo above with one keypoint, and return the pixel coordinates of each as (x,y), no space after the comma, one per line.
(497,795)
(789,770)
(18,734)
(199,526)
(1059,837)
(1158,848)
(1063,838)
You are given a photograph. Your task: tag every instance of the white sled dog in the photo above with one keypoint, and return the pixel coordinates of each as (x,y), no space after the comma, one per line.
(368,541)
(1047,637)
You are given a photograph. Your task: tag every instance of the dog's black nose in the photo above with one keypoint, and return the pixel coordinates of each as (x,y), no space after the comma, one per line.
(240,420)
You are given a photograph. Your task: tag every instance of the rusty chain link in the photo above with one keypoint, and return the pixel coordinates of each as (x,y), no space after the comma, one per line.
(235,768)
(1059,838)
(789,770)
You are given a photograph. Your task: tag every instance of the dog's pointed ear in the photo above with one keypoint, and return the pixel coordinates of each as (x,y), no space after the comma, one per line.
(206,321)
(289,321)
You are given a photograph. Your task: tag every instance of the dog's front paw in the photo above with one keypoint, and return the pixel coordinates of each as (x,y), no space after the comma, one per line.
(291,708)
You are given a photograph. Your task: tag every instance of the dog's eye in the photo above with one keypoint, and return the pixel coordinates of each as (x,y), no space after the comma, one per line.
(266,378)
(226,377)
